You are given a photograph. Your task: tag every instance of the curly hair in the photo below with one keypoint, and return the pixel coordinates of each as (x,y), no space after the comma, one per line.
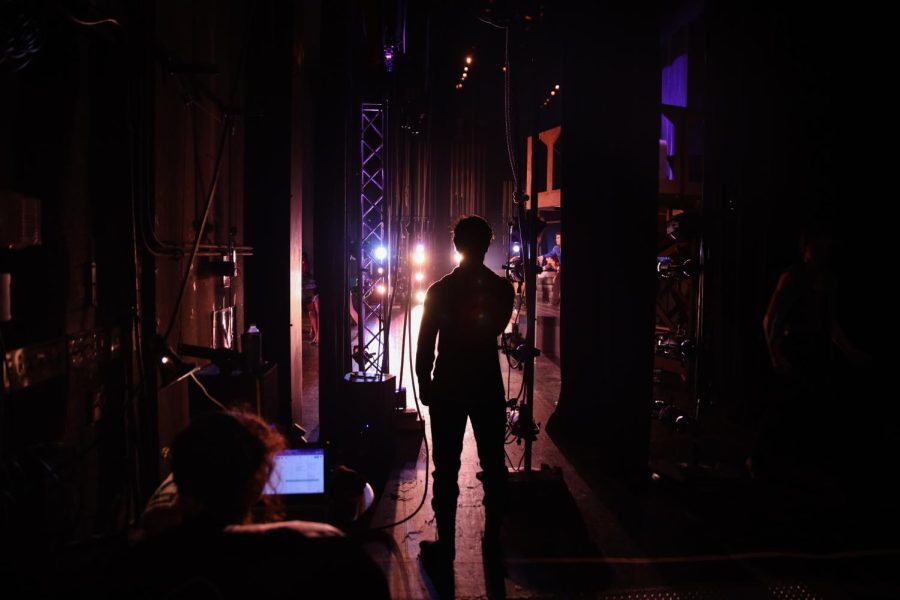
(223,460)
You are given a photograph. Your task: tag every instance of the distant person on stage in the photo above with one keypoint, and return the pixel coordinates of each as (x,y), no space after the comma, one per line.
(552,261)
(555,252)
(465,312)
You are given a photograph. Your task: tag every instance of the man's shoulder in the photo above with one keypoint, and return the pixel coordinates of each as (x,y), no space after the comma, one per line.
(441,284)
(500,281)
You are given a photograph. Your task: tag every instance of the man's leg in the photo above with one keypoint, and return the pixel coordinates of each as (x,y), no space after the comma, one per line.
(448,427)
(488,424)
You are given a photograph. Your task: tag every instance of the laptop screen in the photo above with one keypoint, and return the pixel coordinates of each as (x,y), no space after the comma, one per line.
(298,472)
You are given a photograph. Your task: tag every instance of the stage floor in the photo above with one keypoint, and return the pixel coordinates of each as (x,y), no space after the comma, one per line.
(709,531)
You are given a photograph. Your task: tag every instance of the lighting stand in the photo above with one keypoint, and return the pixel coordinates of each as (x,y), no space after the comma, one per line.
(530,227)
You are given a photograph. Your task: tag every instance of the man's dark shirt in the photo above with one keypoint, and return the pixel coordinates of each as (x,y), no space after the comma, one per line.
(469,308)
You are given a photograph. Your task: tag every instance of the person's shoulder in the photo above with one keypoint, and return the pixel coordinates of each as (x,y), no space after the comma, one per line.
(307,529)
(491,274)
(797,273)
(441,285)
(500,281)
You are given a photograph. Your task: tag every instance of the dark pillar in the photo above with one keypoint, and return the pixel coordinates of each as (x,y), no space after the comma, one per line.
(335,122)
(611,115)
(269,202)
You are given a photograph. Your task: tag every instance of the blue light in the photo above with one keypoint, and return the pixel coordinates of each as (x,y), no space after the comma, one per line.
(381,252)
(516,248)
(389,57)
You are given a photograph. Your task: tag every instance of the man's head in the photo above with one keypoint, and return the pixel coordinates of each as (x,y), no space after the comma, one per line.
(559,240)
(472,236)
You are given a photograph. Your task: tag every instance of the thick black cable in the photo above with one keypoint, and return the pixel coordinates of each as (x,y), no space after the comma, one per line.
(408,315)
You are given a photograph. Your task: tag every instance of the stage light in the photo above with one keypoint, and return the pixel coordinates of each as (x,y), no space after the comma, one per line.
(457,257)
(556,87)
(420,248)
(381,270)
(685,424)
(675,346)
(515,270)
(503,69)
(464,75)
(420,297)
(669,267)
(381,252)
(468,60)
(389,57)
(465,68)
(552,92)
(381,289)
(420,276)
(516,248)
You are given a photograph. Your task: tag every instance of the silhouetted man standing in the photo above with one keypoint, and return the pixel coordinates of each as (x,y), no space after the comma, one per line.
(465,311)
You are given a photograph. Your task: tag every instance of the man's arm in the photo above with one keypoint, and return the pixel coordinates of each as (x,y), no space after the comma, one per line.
(428,331)
(504,306)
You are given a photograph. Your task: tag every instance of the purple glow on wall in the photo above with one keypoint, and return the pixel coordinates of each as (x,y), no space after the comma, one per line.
(674,93)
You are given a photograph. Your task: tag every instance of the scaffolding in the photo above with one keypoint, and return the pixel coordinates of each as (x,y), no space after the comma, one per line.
(374,265)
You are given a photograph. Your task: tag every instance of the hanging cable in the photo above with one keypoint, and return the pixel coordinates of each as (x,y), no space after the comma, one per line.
(507,111)
(206,392)
(412,379)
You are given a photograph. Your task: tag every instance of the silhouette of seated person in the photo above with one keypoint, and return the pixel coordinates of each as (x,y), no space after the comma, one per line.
(221,463)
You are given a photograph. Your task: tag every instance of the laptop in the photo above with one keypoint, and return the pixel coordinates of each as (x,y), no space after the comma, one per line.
(299,475)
